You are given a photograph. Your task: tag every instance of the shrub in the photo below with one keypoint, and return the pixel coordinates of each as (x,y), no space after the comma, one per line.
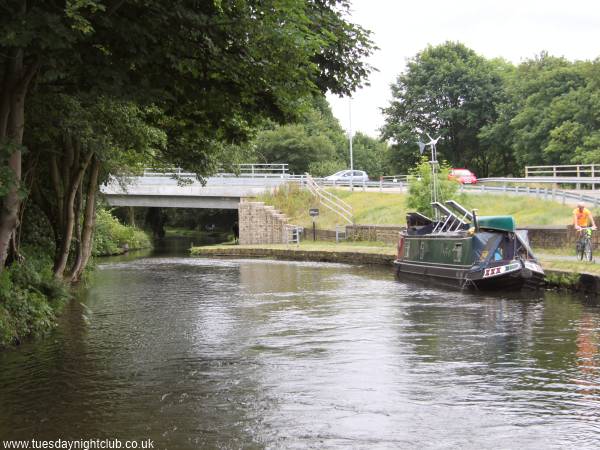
(420,186)
(110,236)
(30,298)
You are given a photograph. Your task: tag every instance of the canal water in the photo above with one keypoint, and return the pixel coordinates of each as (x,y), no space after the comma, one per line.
(208,353)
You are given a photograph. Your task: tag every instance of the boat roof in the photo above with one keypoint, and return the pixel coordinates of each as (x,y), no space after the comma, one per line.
(499,223)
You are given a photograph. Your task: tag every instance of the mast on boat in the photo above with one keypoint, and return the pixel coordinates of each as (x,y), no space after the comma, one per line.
(434,182)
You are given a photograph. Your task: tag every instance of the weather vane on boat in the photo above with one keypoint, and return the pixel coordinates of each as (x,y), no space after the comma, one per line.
(434,187)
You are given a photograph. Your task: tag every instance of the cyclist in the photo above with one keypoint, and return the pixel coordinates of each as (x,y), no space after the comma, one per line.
(582,217)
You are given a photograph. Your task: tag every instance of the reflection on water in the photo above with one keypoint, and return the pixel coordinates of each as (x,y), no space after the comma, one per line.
(204,353)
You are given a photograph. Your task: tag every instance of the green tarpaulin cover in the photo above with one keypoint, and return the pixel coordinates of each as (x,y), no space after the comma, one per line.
(502,223)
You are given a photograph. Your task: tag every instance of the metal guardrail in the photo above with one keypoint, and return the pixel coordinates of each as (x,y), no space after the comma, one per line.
(244,170)
(544,180)
(544,193)
(278,171)
(381,185)
(329,200)
(395,178)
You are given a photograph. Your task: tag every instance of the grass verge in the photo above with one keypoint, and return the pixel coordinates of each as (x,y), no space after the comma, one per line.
(359,247)
(571,266)
(375,208)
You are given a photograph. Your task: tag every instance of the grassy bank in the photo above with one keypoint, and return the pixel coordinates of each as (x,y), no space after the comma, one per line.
(375,208)
(358,247)
(571,266)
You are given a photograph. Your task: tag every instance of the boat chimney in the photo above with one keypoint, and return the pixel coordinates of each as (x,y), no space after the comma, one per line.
(475,223)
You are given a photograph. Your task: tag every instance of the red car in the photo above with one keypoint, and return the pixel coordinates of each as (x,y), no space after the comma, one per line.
(463,176)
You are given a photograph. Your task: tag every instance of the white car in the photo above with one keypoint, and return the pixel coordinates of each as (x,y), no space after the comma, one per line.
(357,176)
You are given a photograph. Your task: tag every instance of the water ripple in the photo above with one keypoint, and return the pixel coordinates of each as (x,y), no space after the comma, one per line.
(208,353)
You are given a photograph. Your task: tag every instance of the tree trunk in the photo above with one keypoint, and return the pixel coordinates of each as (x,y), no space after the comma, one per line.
(11,202)
(12,122)
(89,220)
(131,211)
(62,254)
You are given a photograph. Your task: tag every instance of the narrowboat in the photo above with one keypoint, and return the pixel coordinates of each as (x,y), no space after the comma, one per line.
(486,252)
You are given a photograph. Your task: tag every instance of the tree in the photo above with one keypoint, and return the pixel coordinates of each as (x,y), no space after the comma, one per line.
(294,145)
(544,96)
(548,115)
(79,140)
(447,90)
(316,143)
(420,186)
(370,155)
(215,68)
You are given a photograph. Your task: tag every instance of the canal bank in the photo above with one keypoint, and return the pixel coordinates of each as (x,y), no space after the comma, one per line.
(355,253)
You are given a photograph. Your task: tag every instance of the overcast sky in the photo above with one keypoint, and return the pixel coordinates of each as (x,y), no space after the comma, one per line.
(511,29)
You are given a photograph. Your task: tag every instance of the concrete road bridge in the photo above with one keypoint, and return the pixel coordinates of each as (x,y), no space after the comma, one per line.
(177,189)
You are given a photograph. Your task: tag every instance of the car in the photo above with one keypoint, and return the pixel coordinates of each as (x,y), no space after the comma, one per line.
(357,176)
(463,176)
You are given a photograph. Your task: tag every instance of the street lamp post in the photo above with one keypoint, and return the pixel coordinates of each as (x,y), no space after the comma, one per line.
(350,142)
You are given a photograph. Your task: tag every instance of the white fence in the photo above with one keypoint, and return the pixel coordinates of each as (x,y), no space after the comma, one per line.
(542,193)
(243,171)
(574,170)
(578,174)
(330,200)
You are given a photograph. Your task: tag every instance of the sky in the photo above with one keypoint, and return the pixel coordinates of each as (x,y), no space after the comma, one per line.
(511,29)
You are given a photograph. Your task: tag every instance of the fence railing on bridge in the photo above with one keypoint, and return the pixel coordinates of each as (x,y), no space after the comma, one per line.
(241,170)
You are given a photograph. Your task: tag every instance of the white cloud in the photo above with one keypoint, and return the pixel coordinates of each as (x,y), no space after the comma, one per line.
(511,29)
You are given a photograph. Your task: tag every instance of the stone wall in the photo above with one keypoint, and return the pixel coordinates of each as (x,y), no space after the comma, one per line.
(548,237)
(260,224)
(321,235)
(556,237)
(380,233)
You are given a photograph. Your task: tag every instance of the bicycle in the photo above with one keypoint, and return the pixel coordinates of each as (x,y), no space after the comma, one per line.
(583,246)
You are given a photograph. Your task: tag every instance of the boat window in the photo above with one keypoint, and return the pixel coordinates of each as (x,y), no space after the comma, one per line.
(422,250)
(499,254)
(490,248)
(406,248)
(457,252)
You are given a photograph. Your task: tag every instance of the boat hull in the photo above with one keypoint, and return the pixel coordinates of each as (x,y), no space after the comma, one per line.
(518,277)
